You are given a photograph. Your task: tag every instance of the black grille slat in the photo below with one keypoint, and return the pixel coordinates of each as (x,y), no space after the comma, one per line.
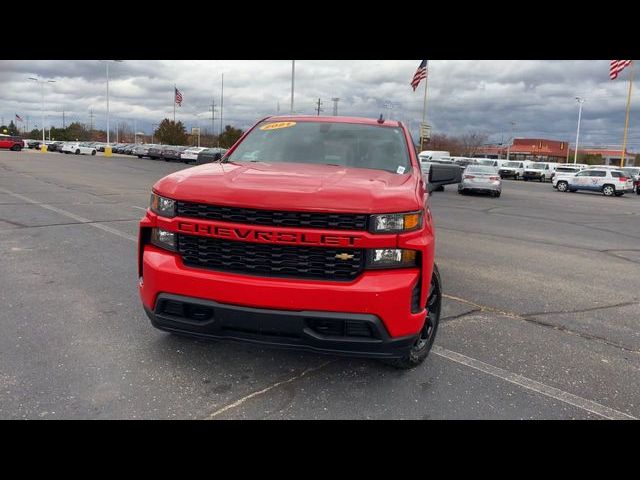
(326,221)
(268,259)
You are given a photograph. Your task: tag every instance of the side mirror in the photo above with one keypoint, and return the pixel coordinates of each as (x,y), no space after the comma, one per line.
(441,175)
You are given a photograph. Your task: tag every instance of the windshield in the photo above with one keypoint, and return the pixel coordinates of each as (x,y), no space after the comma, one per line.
(325,143)
(513,164)
(487,162)
(481,169)
(567,169)
(538,166)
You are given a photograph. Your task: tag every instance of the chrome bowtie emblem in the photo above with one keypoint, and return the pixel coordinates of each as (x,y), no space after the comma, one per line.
(344,256)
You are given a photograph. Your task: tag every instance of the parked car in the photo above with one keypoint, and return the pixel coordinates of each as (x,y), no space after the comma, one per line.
(191,154)
(55,146)
(155,152)
(78,149)
(481,178)
(463,161)
(141,150)
(11,142)
(608,181)
(427,155)
(541,171)
(562,172)
(512,169)
(34,144)
(634,173)
(210,155)
(172,153)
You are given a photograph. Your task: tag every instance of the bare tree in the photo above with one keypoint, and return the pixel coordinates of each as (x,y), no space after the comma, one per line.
(471,142)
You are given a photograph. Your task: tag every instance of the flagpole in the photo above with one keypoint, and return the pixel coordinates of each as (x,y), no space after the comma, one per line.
(424,107)
(174,103)
(626,122)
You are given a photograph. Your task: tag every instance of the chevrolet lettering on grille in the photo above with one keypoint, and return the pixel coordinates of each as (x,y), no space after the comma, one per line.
(265,235)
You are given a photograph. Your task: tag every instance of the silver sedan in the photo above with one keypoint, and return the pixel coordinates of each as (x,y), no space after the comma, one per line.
(480,178)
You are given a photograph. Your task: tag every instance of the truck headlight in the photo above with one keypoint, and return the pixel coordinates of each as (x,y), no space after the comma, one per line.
(395,222)
(391,258)
(162,206)
(163,239)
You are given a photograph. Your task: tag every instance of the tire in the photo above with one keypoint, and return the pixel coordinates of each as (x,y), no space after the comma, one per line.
(16,148)
(461,191)
(427,335)
(638,191)
(562,186)
(77,152)
(139,156)
(516,176)
(608,190)
(497,194)
(93,152)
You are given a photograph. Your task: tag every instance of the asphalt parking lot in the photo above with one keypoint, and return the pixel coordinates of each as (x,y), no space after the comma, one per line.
(541,314)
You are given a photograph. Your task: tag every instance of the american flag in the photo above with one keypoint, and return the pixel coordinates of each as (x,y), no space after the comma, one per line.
(18,118)
(420,74)
(616,67)
(178,97)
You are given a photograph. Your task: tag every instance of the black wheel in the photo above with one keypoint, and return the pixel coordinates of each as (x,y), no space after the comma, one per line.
(16,148)
(497,195)
(93,152)
(638,190)
(139,156)
(427,335)
(608,190)
(516,176)
(461,191)
(78,152)
(562,186)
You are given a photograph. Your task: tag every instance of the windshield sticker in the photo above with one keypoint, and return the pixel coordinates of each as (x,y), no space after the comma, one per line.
(400,170)
(277,125)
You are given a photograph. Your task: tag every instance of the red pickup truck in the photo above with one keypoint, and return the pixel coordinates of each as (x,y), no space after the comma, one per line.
(311,232)
(10,142)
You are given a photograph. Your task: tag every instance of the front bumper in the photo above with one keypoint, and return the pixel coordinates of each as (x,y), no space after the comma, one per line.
(362,335)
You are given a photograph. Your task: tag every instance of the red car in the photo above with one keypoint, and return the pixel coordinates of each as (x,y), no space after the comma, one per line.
(311,232)
(11,143)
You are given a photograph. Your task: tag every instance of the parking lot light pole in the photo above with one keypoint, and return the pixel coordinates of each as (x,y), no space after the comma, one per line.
(41,83)
(513,124)
(580,102)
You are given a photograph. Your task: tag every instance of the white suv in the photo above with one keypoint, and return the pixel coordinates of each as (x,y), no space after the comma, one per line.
(609,182)
(564,172)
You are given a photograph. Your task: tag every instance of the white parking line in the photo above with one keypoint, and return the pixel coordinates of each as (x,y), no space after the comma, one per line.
(75,217)
(529,384)
(239,402)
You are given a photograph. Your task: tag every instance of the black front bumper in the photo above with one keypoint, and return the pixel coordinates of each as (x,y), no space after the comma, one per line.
(351,334)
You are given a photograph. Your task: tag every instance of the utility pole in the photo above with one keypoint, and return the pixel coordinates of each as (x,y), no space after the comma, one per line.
(293,82)
(318,107)
(213,116)
(90,122)
(221,104)
(335,101)
(64,125)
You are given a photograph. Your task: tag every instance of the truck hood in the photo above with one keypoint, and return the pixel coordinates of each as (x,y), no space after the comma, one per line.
(293,186)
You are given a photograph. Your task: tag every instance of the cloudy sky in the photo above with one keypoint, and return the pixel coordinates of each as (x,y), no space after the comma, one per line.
(463,95)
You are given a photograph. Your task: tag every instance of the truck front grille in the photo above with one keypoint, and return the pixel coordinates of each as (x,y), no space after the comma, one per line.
(327,221)
(270,260)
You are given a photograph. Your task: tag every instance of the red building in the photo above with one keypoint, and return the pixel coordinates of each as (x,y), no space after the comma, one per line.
(537,149)
(541,150)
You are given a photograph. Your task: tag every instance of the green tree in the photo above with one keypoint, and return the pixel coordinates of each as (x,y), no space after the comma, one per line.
(13,130)
(171,133)
(230,136)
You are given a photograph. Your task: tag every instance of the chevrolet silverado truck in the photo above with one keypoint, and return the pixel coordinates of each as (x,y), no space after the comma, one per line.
(310,232)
